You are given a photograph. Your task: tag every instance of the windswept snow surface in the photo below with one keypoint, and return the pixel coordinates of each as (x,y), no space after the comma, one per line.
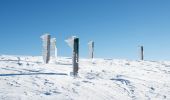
(27,78)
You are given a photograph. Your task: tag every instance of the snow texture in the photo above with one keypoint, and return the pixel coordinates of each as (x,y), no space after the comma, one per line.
(27,78)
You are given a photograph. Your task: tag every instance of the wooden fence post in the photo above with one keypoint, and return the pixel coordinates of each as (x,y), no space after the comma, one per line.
(91,49)
(75,57)
(46,47)
(142,53)
(53,48)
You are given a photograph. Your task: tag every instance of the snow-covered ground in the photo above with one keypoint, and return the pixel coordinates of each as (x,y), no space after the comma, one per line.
(27,78)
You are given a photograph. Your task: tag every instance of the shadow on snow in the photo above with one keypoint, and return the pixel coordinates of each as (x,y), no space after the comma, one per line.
(24,74)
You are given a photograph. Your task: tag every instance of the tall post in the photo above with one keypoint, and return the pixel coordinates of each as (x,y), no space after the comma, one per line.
(142,53)
(75,55)
(46,47)
(91,49)
(53,48)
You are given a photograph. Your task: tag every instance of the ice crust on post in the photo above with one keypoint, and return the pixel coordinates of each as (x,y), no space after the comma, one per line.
(70,41)
(73,42)
(91,49)
(46,47)
(53,49)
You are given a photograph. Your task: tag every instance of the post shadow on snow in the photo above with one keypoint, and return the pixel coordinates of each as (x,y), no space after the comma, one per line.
(36,62)
(27,74)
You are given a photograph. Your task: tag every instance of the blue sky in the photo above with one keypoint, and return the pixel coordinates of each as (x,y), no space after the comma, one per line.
(116,26)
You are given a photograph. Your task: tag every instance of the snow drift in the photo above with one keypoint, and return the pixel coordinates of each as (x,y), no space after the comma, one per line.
(27,78)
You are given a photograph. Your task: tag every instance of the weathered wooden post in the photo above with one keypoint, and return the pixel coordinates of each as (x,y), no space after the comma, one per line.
(141,53)
(46,47)
(91,49)
(75,56)
(53,48)
(73,42)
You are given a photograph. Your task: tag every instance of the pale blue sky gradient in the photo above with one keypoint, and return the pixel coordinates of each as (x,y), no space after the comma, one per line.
(116,26)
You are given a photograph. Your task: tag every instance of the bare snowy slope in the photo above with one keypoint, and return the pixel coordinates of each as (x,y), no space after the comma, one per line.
(27,78)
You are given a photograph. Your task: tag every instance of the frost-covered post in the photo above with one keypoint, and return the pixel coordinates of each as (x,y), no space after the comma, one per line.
(91,49)
(73,42)
(53,48)
(46,47)
(75,56)
(141,53)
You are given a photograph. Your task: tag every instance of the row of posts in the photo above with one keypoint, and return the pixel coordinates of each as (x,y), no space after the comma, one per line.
(50,50)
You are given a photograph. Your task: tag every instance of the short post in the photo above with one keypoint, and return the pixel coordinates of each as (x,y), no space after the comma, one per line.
(46,47)
(53,48)
(75,57)
(91,49)
(142,53)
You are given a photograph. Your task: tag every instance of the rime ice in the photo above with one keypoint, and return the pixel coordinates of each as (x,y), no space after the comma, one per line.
(46,47)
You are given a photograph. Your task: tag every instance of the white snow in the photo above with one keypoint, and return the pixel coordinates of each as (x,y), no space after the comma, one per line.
(27,78)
